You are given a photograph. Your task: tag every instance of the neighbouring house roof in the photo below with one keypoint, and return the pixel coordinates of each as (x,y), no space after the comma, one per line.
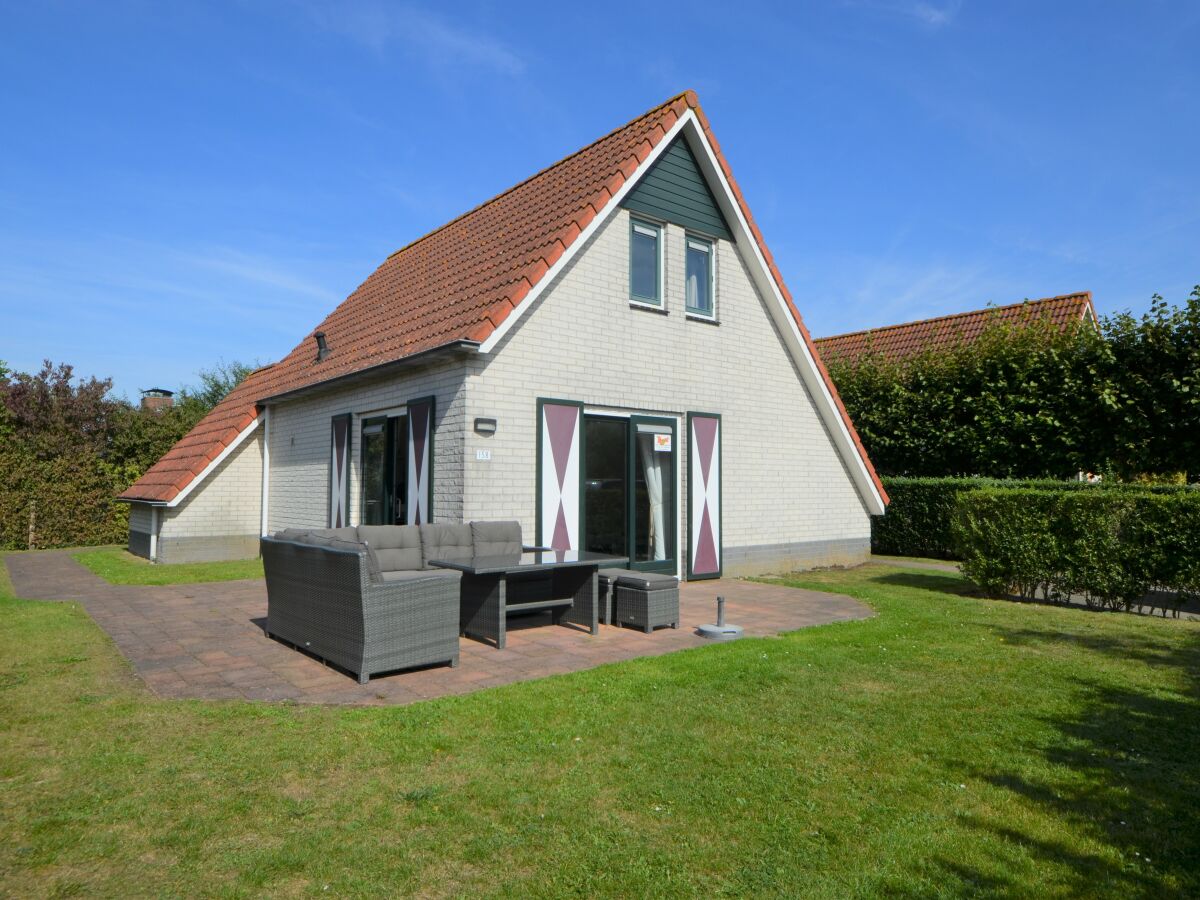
(458,285)
(900,341)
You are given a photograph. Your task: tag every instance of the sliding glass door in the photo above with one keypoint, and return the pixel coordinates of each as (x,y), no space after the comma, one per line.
(629,502)
(384,471)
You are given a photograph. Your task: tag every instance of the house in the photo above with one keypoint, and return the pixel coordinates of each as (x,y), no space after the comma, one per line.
(605,352)
(896,342)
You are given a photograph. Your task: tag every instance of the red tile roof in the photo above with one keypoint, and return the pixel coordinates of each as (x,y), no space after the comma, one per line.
(900,341)
(455,284)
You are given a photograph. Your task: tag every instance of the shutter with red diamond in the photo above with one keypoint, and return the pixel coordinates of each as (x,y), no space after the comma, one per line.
(704,495)
(559,440)
(420,461)
(339,472)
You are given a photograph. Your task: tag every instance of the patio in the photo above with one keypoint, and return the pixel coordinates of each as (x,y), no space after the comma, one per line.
(205,641)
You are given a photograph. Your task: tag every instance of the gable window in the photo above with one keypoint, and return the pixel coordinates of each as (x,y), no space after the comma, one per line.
(645,263)
(699,280)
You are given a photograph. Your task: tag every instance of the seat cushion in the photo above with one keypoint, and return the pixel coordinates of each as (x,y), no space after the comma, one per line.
(647,581)
(496,538)
(421,575)
(611,575)
(449,542)
(397,547)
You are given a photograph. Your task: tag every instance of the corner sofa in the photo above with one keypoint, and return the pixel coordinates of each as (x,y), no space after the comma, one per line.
(366,598)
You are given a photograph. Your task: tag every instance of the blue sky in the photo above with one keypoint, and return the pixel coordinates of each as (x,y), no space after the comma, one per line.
(184,183)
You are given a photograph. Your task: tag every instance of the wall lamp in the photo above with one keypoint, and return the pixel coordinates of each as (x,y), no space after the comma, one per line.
(486,427)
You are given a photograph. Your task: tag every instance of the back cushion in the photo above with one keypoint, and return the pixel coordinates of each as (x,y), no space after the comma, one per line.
(496,538)
(449,542)
(396,547)
(292,534)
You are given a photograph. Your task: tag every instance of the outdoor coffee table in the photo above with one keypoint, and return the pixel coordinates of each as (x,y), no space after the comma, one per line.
(562,581)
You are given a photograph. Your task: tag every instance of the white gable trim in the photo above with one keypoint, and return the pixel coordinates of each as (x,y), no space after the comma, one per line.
(601,217)
(233,445)
(780,310)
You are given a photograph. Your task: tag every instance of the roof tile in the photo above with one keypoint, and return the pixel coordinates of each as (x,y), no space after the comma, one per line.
(900,341)
(459,282)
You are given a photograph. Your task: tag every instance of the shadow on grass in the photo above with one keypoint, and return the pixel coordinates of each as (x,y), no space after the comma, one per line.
(1131,779)
(948,583)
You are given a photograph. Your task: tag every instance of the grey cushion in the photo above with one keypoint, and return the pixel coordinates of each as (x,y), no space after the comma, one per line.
(293,534)
(611,575)
(421,575)
(496,538)
(647,581)
(450,542)
(397,547)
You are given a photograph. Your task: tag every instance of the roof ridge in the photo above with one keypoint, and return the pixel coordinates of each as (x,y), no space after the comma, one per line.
(538,174)
(971,312)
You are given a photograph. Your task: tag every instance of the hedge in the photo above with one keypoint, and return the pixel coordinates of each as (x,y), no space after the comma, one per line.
(1108,548)
(919,517)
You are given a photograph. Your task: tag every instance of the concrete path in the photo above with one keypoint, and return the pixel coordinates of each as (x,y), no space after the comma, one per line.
(206,641)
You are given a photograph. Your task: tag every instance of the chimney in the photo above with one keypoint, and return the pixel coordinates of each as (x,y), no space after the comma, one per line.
(155,399)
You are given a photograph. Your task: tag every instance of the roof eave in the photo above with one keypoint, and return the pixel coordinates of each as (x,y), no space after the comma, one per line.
(447,349)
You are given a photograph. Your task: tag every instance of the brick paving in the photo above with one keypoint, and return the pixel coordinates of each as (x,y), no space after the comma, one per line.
(206,641)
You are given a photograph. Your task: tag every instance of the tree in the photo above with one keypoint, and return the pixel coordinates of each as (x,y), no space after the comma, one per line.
(1154,382)
(215,384)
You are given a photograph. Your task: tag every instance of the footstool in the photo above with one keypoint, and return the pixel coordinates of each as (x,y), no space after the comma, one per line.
(646,600)
(606,580)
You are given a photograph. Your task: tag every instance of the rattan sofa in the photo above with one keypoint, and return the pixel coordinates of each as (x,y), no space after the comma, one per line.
(366,599)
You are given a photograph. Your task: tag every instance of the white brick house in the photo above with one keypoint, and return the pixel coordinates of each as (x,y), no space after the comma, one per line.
(605,352)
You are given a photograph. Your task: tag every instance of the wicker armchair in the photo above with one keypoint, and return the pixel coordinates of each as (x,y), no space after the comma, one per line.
(325,600)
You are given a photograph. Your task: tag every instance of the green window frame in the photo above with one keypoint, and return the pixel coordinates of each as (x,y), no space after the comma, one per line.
(640,228)
(707,308)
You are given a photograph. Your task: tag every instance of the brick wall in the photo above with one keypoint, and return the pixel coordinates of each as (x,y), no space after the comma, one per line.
(784,481)
(300,443)
(221,518)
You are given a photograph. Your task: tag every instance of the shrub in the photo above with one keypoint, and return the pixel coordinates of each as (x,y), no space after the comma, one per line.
(918,520)
(1107,547)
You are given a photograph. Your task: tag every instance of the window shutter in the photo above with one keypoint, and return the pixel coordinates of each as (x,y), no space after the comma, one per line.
(558,473)
(420,461)
(339,472)
(704,496)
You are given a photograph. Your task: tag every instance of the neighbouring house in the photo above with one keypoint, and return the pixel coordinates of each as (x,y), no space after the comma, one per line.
(605,352)
(899,341)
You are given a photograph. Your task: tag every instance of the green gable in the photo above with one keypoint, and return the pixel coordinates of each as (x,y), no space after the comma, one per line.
(675,191)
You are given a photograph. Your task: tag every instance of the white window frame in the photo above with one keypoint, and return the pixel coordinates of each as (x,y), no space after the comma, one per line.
(660,232)
(710,246)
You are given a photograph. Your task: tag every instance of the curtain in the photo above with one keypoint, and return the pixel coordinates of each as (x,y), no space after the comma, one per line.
(693,285)
(652,468)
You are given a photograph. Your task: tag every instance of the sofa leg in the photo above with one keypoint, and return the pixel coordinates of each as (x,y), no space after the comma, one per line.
(454,663)
(649,629)
(675,625)
(363,677)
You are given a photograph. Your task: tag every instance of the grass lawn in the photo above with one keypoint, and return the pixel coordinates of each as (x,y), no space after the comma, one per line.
(950,746)
(116,565)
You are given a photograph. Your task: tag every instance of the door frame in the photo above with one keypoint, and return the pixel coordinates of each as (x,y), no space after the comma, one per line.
(675,421)
(652,565)
(391,438)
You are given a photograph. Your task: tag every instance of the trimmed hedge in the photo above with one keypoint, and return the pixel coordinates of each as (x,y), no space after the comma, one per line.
(1108,548)
(918,520)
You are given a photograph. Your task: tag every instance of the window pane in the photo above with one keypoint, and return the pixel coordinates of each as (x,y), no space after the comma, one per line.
(699,298)
(643,261)
(374,473)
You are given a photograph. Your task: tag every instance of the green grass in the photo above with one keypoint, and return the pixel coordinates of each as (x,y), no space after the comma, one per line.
(885,558)
(118,566)
(950,746)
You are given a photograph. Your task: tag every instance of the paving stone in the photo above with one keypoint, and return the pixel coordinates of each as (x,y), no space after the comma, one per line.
(206,641)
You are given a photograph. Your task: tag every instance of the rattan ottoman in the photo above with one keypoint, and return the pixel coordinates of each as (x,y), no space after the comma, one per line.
(647,601)
(606,584)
